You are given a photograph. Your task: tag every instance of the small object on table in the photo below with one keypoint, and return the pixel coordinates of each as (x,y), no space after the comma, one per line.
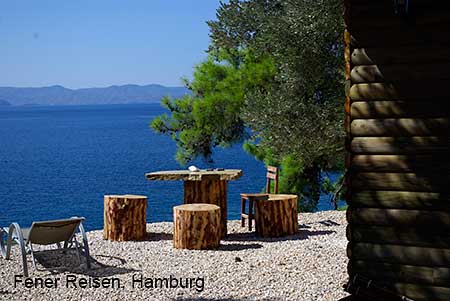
(193,168)
(208,187)
(125,217)
(196,226)
(277,216)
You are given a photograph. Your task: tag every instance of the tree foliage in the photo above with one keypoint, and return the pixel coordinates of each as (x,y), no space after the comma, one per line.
(273,77)
(211,115)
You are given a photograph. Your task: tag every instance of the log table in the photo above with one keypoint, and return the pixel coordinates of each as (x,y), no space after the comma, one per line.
(204,186)
(277,215)
(125,217)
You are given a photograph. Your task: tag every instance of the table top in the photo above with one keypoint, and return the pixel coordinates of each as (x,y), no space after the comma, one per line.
(202,174)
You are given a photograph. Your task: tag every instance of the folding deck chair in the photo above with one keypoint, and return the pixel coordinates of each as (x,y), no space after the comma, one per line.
(45,233)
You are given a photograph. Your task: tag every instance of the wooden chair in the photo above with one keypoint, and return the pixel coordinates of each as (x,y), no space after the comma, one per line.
(272,175)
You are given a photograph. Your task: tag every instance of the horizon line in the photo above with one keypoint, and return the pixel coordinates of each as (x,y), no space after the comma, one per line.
(95,87)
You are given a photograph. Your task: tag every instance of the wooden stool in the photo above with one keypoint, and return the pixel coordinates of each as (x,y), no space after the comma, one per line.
(125,217)
(272,174)
(196,226)
(277,216)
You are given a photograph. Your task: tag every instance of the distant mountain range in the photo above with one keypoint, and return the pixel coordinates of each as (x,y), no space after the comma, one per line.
(58,95)
(4,103)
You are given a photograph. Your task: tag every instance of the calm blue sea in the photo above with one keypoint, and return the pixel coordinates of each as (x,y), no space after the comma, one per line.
(57,162)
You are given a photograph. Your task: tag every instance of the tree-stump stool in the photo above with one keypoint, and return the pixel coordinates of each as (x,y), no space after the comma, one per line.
(125,217)
(276,216)
(196,226)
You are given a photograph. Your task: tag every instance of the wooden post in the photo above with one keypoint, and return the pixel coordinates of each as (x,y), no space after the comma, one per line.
(125,217)
(276,216)
(210,191)
(196,226)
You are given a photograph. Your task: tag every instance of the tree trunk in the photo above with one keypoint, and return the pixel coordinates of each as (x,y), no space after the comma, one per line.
(125,217)
(196,226)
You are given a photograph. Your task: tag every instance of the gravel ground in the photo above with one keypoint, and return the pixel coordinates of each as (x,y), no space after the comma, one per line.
(310,265)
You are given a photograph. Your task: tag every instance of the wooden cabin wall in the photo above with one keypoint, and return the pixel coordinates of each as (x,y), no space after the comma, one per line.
(397,124)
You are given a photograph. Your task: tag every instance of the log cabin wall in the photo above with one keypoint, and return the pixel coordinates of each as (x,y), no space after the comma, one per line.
(397,124)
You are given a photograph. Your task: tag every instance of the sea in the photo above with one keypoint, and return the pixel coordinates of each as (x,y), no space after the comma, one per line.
(59,161)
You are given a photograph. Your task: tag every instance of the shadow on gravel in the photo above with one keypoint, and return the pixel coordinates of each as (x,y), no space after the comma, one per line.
(329,223)
(302,234)
(303,226)
(56,263)
(158,236)
(239,247)
(221,299)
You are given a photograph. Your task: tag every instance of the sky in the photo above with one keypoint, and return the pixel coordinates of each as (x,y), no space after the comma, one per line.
(99,43)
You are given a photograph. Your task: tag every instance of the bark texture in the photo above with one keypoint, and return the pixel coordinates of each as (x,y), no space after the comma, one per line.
(196,226)
(276,216)
(125,217)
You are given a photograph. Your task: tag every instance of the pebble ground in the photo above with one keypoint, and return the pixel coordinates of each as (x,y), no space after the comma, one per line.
(310,265)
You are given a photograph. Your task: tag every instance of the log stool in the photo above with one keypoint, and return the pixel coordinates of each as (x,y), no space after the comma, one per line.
(196,226)
(125,217)
(276,216)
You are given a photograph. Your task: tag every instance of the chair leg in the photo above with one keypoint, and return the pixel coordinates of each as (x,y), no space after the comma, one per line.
(250,214)
(3,241)
(15,233)
(85,246)
(77,248)
(243,201)
(33,260)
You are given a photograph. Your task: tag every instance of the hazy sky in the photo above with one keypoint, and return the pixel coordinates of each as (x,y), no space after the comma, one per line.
(97,43)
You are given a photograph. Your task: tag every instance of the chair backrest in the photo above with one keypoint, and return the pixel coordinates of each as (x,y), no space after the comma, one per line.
(51,232)
(272,175)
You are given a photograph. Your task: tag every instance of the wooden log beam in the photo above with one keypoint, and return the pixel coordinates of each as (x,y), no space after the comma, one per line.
(412,236)
(430,35)
(396,254)
(420,292)
(374,91)
(400,55)
(401,291)
(395,109)
(385,73)
(399,217)
(400,181)
(400,200)
(423,10)
(402,90)
(399,145)
(431,17)
(404,273)
(361,4)
(401,163)
(400,127)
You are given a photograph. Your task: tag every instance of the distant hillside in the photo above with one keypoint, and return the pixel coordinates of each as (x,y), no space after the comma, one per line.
(4,103)
(58,95)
